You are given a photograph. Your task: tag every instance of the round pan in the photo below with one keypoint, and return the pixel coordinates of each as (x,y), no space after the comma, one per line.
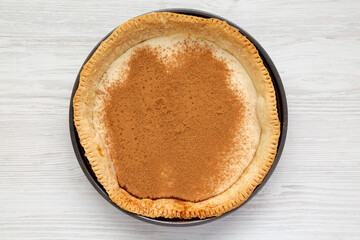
(281,106)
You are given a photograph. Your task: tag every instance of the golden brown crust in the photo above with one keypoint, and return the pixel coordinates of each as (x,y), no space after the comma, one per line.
(152,25)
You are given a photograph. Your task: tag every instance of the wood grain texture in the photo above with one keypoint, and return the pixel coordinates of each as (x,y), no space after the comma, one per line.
(314,192)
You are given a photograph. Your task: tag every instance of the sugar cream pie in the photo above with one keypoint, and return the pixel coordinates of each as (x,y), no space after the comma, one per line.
(177,115)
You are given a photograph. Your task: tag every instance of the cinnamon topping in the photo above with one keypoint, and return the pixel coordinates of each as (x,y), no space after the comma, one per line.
(171,125)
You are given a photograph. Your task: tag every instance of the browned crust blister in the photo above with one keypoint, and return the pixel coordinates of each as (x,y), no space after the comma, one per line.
(153,25)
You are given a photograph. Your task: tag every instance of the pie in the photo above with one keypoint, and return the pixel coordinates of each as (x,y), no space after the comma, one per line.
(177,116)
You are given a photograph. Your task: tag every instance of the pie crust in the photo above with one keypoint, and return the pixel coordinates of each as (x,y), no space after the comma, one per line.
(153,25)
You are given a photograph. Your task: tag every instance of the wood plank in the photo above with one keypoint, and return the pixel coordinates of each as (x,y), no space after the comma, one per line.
(314,192)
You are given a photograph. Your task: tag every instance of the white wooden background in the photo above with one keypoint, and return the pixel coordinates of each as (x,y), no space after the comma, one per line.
(314,192)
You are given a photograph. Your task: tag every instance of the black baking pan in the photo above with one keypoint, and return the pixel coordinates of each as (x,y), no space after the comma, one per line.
(281,106)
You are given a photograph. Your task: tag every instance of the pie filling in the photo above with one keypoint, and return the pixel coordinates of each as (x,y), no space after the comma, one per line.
(177,115)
